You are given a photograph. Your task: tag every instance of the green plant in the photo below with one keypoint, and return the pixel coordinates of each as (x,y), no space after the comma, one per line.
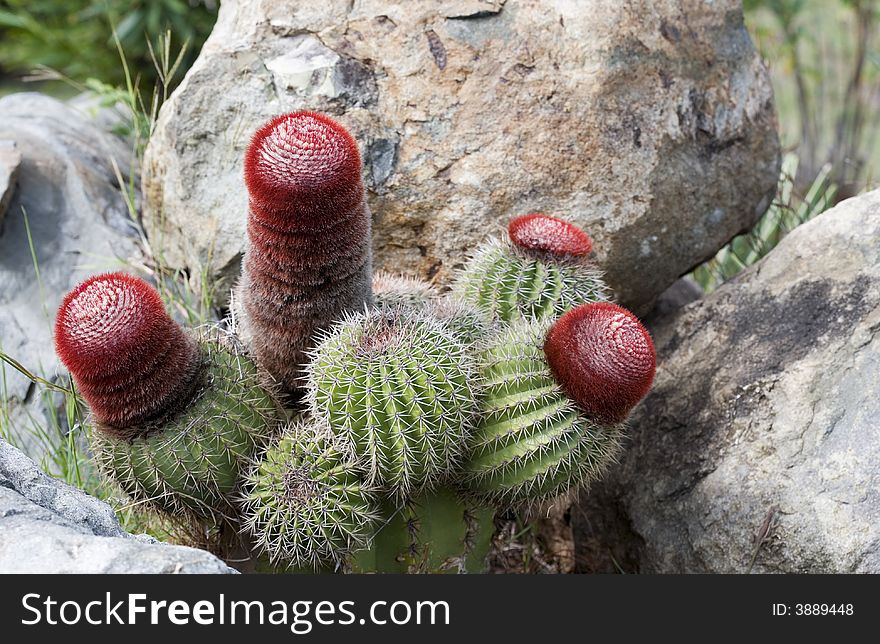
(541,269)
(305,502)
(55,33)
(435,531)
(400,389)
(824,60)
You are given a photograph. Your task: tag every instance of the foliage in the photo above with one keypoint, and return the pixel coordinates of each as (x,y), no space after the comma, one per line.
(824,59)
(76,36)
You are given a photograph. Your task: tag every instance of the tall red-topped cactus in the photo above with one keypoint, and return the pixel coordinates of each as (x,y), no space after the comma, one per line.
(132,363)
(308,262)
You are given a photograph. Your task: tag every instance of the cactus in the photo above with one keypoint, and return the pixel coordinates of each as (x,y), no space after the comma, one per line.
(308,260)
(305,503)
(392,290)
(434,532)
(540,270)
(552,410)
(399,389)
(176,418)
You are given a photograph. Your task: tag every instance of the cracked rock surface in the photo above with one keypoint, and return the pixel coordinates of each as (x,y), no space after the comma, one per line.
(47,526)
(651,124)
(759,447)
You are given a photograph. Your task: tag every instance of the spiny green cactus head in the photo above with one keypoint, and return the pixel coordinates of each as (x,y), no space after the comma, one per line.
(132,363)
(540,269)
(400,389)
(603,358)
(532,442)
(305,502)
(390,289)
(192,462)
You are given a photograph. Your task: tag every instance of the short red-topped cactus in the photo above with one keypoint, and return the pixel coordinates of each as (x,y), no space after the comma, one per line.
(308,261)
(546,234)
(603,358)
(540,270)
(132,363)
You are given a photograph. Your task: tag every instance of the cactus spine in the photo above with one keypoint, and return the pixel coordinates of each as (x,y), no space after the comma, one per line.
(183,451)
(396,386)
(540,270)
(308,260)
(305,502)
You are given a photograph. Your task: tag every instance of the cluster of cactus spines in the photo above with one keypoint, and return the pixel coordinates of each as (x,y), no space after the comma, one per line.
(308,260)
(541,269)
(305,501)
(532,442)
(132,363)
(193,462)
(400,389)
(433,532)
(390,289)
(603,358)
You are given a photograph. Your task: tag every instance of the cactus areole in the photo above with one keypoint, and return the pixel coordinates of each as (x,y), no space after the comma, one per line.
(543,233)
(603,358)
(308,261)
(132,363)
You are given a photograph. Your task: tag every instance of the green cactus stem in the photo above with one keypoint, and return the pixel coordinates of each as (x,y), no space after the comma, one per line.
(192,462)
(435,532)
(400,389)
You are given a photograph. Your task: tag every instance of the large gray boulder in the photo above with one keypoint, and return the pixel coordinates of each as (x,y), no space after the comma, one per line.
(79,225)
(759,447)
(649,123)
(47,526)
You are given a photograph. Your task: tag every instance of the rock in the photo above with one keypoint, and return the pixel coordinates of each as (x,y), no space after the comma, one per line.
(758,448)
(46,526)
(649,123)
(79,225)
(10,160)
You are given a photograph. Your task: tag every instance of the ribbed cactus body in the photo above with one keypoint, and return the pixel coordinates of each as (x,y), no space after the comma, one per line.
(399,388)
(507,282)
(308,260)
(532,442)
(305,501)
(192,462)
(435,532)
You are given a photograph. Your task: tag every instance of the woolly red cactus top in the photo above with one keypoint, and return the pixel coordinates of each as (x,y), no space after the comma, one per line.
(540,232)
(301,159)
(129,358)
(603,358)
